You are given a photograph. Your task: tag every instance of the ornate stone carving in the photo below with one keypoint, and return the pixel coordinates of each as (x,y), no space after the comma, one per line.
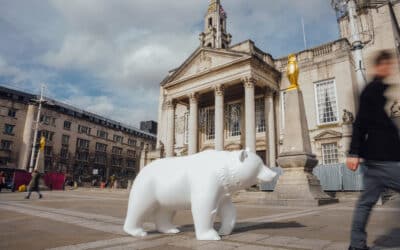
(249,82)
(204,62)
(395,109)
(219,90)
(348,117)
(193,97)
(170,104)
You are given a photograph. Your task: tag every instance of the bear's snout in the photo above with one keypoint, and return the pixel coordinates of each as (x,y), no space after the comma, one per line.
(266,175)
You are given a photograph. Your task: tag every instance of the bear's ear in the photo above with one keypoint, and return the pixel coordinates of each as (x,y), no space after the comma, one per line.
(247,149)
(243,155)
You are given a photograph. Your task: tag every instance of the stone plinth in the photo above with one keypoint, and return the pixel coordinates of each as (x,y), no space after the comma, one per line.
(297,185)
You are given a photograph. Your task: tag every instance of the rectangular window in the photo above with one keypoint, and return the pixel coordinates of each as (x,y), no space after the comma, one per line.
(326,101)
(115,161)
(9,129)
(48,135)
(83,130)
(131,153)
(64,153)
(234,113)
(132,142)
(207,118)
(65,140)
(82,144)
(118,138)
(260,115)
(48,120)
(48,151)
(130,163)
(82,156)
(12,112)
(117,150)
(102,134)
(5,145)
(67,125)
(100,147)
(142,145)
(330,153)
(100,158)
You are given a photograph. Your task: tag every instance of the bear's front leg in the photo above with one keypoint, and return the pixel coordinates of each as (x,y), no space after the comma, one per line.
(227,213)
(204,210)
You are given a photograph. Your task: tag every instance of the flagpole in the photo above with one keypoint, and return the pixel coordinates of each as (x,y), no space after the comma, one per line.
(35,132)
(304,33)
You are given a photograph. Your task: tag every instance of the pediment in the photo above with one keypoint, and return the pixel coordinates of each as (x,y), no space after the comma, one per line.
(328,134)
(204,59)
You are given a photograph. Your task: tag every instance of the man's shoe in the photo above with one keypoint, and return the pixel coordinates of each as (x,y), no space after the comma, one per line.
(40,196)
(356,248)
(26,197)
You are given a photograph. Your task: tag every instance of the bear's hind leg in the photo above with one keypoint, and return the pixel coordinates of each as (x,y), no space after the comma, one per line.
(164,222)
(227,213)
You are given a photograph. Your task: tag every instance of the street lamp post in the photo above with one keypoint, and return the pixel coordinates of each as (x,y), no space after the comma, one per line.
(41,100)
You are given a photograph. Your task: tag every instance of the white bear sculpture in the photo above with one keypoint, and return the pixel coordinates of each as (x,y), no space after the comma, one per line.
(202,182)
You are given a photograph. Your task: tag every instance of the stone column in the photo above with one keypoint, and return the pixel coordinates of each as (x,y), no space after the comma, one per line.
(298,186)
(250,113)
(169,147)
(270,128)
(26,146)
(219,117)
(193,122)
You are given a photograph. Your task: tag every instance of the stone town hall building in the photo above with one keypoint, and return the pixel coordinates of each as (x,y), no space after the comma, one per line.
(229,97)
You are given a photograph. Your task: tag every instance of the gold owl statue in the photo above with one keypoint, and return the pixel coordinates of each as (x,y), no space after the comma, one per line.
(42,143)
(292,72)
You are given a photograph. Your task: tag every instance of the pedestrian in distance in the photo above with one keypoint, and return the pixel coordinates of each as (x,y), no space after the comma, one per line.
(376,140)
(2,180)
(34,184)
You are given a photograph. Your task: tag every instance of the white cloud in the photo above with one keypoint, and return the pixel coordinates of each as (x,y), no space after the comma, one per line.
(110,56)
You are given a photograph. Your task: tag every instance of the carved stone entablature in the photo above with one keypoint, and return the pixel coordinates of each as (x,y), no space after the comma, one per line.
(249,82)
(219,90)
(233,146)
(328,134)
(193,97)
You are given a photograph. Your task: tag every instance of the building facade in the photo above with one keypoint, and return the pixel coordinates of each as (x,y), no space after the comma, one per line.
(229,97)
(78,143)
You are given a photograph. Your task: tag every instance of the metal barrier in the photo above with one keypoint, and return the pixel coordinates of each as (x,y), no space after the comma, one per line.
(335,177)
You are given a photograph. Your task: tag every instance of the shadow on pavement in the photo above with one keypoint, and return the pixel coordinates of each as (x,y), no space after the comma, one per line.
(268,225)
(391,240)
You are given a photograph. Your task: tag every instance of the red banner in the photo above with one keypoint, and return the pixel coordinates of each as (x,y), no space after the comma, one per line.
(55,181)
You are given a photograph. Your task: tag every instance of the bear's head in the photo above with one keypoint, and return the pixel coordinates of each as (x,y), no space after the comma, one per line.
(251,169)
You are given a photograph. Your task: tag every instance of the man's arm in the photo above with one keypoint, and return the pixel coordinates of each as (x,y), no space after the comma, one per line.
(359,131)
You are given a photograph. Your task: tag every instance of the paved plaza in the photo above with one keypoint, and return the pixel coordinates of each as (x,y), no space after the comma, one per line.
(89,219)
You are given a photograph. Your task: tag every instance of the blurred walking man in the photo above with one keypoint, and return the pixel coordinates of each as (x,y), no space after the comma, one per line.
(34,184)
(375,139)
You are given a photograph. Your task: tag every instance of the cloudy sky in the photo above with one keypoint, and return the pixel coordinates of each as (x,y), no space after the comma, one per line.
(108,57)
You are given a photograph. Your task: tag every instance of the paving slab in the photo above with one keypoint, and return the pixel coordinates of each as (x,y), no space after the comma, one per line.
(86,219)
